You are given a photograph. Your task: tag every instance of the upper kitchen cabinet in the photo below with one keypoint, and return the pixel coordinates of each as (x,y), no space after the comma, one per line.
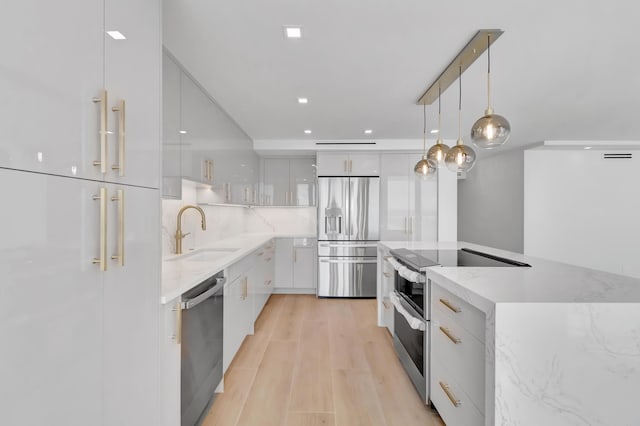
(289,182)
(408,204)
(171,152)
(132,79)
(51,69)
(63,85)
(348,164)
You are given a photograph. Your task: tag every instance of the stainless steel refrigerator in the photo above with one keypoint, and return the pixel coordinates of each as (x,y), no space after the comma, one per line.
(348,231)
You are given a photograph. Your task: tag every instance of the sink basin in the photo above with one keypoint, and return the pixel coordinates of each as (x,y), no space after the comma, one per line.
(204,255)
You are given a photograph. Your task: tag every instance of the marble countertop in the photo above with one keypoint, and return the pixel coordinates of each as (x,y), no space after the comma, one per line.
(545,282)
(179,274)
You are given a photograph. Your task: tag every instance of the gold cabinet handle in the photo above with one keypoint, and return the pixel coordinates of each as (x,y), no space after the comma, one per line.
(386,274)
(350,166)
(119,198)
(102,100)
(455,401)
(295,255)
(451,337)
(102,260)
(121,138)
(178,334)
(448,304)
(345,166)
(386,304)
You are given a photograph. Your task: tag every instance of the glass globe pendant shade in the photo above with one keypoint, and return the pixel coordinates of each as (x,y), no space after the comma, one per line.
(423,168)
(460,158)
(490,131)
(437,154)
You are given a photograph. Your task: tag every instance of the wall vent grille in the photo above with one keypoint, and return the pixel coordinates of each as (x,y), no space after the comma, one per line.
(617,156)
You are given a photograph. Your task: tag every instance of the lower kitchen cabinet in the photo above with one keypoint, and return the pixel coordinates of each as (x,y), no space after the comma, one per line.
(238,317)
(296,265)
(386,277)
(457,359)
(80,343)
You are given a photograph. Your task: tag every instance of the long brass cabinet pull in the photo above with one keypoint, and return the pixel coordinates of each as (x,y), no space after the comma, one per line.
(448,304)
(101,261)
(102,163)
(455,401)
(451,337)
(119,198)
(345,166)
(120,109)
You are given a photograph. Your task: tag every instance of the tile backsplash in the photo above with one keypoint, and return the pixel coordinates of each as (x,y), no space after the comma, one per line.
(227,221)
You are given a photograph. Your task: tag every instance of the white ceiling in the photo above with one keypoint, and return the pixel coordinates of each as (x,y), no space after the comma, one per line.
(562,70)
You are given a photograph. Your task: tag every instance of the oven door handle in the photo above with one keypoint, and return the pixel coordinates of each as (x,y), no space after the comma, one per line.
(414,323)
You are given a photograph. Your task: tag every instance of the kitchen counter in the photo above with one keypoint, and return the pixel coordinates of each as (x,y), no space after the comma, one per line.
(180,275)
(562,342)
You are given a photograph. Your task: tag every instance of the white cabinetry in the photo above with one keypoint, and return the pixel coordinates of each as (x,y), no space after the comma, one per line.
(262,276)
(86,335)
(408,204)
(63,62)
(348,164)
(295,265)
(457,359)
(386,276)
(238,317)
(289,182)
(171,152)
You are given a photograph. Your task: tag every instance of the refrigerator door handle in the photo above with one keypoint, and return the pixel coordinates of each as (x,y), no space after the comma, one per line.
(348,260)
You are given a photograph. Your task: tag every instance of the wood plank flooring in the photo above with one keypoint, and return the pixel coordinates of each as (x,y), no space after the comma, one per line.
(318,362)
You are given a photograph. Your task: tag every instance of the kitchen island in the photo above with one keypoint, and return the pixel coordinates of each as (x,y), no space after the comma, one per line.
(561,343)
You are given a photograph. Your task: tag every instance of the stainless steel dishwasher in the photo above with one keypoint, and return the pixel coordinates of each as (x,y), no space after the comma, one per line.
(201,369)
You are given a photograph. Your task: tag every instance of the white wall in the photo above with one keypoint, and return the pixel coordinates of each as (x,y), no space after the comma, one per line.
(491,202)
(583,209)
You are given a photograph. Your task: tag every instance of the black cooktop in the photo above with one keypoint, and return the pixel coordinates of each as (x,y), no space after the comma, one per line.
(464,257)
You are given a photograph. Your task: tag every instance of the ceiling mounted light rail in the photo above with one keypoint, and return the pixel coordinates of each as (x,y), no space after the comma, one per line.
(468,55)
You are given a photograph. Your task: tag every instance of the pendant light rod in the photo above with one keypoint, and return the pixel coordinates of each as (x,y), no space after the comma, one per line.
(460,106)
(489,72)
(439,116)
(468,55)
(424,129)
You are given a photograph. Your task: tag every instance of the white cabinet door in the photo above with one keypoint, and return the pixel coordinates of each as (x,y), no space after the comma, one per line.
(171,161)
(131,308)
(395,184)
(302,181)
(52,299)
(233,328)
(333,164)
(284,258)
(195,118)
(304,269)
(170,371)
(364,164)
(51,68)
(132,76)
(276,181)
(423,207)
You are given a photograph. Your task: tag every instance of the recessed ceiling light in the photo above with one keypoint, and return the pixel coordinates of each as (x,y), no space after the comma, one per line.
(293,31)
(116,35)
(588,147)
(183,132)
(303,100)
(434,131)
(308,132)
(368,132)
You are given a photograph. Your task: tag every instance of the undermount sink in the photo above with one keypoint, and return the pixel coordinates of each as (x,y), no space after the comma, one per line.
(204,255)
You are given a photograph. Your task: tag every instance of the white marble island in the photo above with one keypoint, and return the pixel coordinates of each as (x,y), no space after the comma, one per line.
(561,343)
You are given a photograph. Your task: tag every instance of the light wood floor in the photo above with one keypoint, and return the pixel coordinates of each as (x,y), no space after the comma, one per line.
(318,362)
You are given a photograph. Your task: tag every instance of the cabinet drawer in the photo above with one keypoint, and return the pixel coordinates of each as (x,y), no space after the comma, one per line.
(453,403)
(241,266)
(454,308)
(463,355)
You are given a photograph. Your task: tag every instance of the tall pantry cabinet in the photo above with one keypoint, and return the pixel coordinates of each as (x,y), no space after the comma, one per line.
(79,178)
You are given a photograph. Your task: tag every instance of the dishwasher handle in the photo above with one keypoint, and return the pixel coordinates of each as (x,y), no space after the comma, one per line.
(195,301)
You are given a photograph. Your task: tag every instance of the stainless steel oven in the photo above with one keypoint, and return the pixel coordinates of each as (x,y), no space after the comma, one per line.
(411,325)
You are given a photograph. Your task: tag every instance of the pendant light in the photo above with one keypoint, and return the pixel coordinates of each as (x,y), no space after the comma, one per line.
(423,168)
(460,157)
(438,152)
(491,130)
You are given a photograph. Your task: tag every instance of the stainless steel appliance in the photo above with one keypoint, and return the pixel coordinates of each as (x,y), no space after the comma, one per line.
(348,229)
(201,367)
(411,300)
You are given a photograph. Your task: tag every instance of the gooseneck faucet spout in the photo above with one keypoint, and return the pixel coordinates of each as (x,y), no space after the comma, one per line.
(179,234)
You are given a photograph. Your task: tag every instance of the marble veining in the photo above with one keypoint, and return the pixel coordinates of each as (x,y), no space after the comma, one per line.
(562,343)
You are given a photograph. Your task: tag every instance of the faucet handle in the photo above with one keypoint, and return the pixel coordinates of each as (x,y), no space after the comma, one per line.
(184,235)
